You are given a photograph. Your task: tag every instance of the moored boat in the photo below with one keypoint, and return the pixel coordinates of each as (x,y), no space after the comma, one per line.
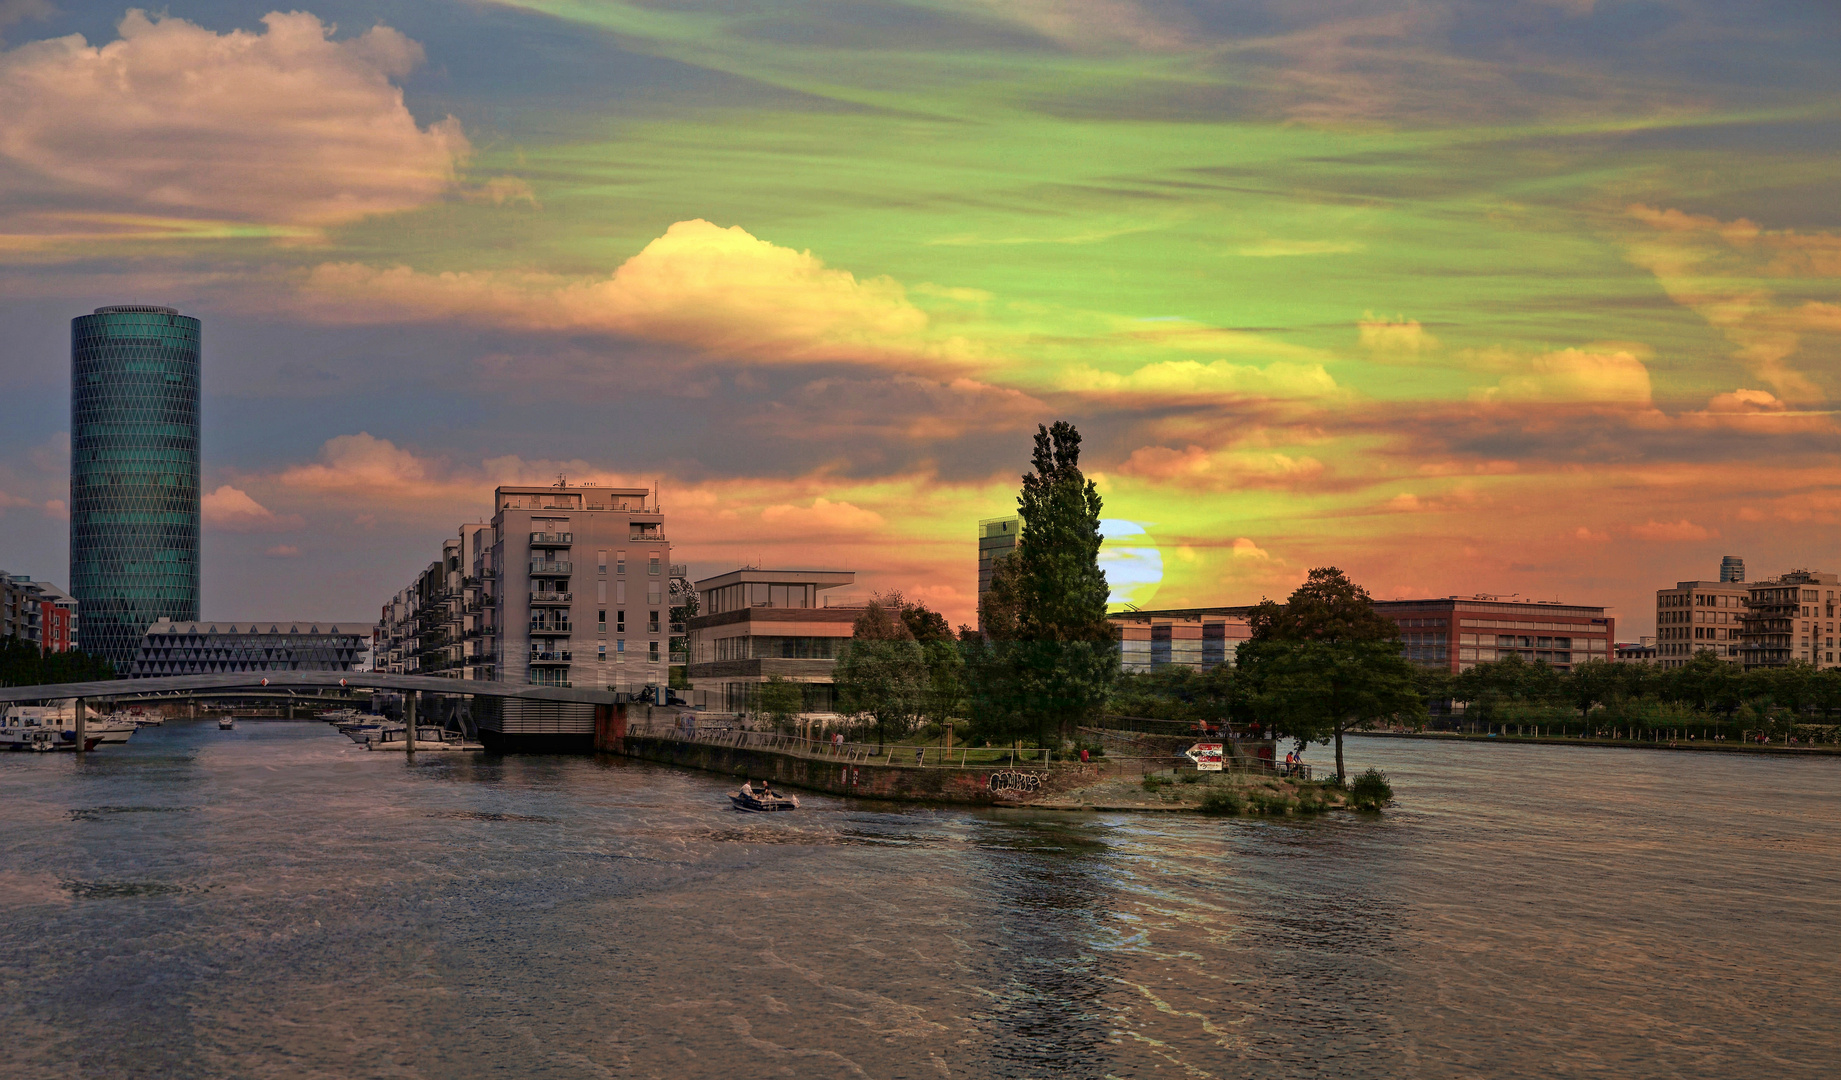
(226,723)
(29,726)
(762,799)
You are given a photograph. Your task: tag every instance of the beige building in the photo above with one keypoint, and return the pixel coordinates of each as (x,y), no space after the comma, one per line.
(758,624)
(1700,616)
(1791,619)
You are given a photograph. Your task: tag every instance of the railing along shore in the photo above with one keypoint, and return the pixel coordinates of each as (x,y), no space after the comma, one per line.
(940,757)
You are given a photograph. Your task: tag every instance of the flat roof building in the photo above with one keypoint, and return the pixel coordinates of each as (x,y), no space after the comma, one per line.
(1456,633)
(1700,617)
(758,624)
(1790,619)
(996,538)
(1196,638)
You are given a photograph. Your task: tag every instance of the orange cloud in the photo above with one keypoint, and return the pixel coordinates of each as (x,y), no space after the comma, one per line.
(1218,379)
(282,127)
(1668,532)
(1612,377)
(1195,467)
(231,509)
(722,291)
(824,515)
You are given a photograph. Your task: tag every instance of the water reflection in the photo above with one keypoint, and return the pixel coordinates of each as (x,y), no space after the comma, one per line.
(277,902)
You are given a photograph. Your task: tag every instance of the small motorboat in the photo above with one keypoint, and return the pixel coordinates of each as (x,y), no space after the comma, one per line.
(226,723)
(762,798)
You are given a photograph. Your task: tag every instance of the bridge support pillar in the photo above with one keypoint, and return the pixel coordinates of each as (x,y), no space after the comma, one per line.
(82,724)
(409,725)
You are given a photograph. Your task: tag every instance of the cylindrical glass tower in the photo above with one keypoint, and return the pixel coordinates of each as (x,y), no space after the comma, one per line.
(134,495)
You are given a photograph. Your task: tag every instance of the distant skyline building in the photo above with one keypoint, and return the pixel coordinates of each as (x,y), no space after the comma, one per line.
(1732,569)
(134,464)
(996,538)
(1700,616)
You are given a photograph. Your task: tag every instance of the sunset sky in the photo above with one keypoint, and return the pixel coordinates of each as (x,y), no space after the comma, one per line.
(1537,298)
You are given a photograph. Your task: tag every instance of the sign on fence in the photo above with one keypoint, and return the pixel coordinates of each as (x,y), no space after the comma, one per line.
(1206,755)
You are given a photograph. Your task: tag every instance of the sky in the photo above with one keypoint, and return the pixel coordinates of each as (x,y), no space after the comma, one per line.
(1533,298)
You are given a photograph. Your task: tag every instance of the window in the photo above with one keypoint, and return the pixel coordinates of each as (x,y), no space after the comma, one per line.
(652,564)
(620,651)
(601,623)
(652,652)
(601,559)
(600,591)
(620,561)
(652,623)
(619,592)
(601,653)
(620,621)
(653,592)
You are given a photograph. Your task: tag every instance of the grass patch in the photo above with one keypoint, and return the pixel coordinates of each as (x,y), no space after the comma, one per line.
(1222,802)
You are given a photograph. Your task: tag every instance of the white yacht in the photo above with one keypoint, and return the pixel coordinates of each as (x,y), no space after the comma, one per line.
(23,728)
(59,722)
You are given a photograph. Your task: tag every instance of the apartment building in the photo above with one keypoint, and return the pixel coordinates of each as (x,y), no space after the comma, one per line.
(758,624)
(38,612)
(1790,619)
(1195,638)
(1701,616)
(435,625)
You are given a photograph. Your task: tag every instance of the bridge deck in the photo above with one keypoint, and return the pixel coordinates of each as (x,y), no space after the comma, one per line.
(167,686)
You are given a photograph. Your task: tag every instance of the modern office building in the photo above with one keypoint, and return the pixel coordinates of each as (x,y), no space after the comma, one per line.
(134,485)
(1456,633)
(1196,638)
(1701,616)
(1732,569)
(758,624)
(201,648)
(1790,619)
(996,538)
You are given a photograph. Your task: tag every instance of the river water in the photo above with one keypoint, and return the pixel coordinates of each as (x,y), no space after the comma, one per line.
(274,902)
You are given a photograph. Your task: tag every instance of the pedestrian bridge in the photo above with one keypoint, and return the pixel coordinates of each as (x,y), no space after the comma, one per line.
(270,682)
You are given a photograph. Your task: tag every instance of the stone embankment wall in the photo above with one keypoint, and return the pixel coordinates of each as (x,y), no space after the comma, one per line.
(985,786)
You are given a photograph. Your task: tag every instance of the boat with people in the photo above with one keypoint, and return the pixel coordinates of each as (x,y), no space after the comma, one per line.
(762,799)
(226,723)
(17,734)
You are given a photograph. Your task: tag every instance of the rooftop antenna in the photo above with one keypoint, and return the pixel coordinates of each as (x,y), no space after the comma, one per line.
(562,480)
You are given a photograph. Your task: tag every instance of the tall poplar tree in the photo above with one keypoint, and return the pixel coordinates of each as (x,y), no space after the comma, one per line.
(1053,659)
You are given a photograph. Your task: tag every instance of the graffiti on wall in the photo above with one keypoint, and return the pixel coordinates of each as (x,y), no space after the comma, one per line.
(1014,783)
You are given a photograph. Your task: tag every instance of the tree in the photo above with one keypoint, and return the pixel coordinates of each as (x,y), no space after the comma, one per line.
(1325,662)
(780,699)
(1590,684)
(883,670)
(23,664)
(1051,659)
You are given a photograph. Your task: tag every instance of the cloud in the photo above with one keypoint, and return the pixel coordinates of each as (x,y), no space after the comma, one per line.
(722,291)
(7,501)
(230,509)
(1398,338)
(1612,377)
(1246,549)
(57,509)
(283,551)
(283,127)
(1196,467)
(1278,249)
(1192,378)
(824,515)
(1720,269)
(1667,532)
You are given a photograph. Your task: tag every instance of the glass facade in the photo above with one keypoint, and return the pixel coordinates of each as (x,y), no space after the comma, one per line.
(134,496)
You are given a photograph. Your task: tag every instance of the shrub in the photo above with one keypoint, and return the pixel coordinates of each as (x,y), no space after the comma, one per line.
(1371,791)
(1221,802)
(1191,778)
(1153,782)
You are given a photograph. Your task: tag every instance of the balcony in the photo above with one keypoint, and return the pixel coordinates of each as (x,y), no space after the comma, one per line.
(548,626)
(550,597)
(646,530)
(555,539)
(562,657)
(550,569)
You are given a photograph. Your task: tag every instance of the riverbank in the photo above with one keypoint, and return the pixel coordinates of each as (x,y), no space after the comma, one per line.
(1696,745)
(1101,784)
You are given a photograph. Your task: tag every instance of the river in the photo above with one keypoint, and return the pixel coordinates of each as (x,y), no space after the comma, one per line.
(274,902)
